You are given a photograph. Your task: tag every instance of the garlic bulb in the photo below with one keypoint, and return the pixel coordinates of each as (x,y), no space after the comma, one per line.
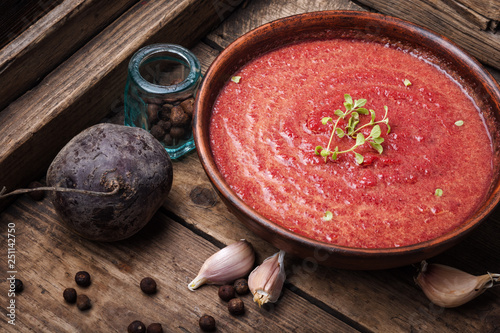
(449,287)
(266,281)
(226,265)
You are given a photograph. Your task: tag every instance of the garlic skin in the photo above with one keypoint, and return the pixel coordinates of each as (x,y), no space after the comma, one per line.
(226,265)
(266,281)
(449,287)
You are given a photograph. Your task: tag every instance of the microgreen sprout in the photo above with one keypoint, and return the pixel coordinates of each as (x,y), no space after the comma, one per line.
(236,79)
(328,216)
(353,111)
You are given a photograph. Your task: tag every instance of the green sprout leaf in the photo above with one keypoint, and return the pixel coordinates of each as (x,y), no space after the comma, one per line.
(325,120)
(376,132)
(459,123)
(438,192)
(236,79)
(360,139)
(318,150)
(339,114)
(359,158)
(377,147)
(354,111)
(359,103)
(407,82)
(328,216)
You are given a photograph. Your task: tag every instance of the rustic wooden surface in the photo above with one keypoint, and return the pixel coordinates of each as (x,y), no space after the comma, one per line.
(53,38)
(90,83)
(192,224)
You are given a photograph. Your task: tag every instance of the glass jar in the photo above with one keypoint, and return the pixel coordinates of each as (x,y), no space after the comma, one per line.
(159,95)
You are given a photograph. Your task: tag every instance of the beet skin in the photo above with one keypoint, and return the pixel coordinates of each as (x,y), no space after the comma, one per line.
(99,159)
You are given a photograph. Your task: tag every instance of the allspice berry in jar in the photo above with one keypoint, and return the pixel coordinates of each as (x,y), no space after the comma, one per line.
(159,95)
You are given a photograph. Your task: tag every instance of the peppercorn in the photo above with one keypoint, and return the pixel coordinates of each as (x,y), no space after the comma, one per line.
(241,286)
(164,113)
(165,124)
(157,131)
(36,195)
(136,326)
(154,328)
(178,117)
(167,140)
(207,323)
(18,285)
(148,285)
(226,292)
(69,295)
(177,132)
(188,106)
(83,302)
(236,306)
(82,279)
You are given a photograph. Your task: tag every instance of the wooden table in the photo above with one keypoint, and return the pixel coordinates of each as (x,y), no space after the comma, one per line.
(193,223)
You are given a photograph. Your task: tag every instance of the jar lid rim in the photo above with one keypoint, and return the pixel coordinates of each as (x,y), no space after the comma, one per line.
(149,51)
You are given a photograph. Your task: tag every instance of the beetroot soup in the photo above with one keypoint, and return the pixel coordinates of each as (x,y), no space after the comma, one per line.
(433,172)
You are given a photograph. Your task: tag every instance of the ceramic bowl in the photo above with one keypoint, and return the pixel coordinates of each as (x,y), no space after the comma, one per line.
(312,25)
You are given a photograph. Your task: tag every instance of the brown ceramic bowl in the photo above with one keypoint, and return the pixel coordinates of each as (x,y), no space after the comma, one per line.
(312,25)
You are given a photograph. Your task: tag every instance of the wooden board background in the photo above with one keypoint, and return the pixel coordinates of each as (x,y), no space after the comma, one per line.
(189,227)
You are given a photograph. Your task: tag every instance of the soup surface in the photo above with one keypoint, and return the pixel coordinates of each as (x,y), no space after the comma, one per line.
(264,130)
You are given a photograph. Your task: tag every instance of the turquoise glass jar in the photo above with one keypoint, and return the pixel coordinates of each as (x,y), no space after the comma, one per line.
(159,95)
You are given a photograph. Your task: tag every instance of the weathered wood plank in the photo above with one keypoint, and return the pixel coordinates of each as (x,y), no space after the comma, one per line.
(48,256)
(15,17)
(443,17)
(81,91)
(488,8)
(385,301)
(51,40)
(258,13)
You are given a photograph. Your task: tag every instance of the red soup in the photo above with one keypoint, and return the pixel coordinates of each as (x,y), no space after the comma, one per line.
(433,172)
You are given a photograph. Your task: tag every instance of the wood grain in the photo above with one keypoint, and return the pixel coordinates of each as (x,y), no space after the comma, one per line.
(445,17)
(50,40)
(488,8)
(49,255)
(82,90)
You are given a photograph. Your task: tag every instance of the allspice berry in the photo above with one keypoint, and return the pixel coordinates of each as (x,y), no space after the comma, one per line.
(154,328)
(241,286)
(226,292)
(82,279)
(148,285)
(207,323)
(18,285)
(69,295)
(236,306)
(83,302)
(136,326)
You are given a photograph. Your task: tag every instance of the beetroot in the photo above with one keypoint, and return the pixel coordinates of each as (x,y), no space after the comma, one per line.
(128,164)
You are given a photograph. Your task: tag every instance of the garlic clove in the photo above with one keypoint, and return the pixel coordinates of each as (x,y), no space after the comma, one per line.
(449,287)
(266,281)
(226,265)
